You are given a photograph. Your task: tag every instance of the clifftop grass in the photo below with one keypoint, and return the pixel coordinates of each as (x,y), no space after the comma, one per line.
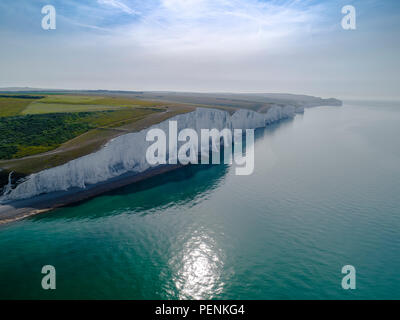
(13,106)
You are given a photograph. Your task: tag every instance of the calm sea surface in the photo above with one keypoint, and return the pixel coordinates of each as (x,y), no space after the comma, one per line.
(325,193)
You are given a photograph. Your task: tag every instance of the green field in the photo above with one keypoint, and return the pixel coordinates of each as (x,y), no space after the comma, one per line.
(26,135)
(69,99)
(65,103)
(13,106)
(97,100)
(43,108)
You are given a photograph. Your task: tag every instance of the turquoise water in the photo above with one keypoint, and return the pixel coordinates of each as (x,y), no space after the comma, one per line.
(324,194)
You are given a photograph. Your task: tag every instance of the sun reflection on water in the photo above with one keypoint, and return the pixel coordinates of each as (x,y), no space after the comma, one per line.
(198,268)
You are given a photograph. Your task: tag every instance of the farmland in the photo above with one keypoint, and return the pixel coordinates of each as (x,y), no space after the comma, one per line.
(13,106)
(70,104)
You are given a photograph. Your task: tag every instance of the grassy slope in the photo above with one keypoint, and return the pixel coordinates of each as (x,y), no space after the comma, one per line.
(13,106)
(25,135)
(43,108)
(72,103)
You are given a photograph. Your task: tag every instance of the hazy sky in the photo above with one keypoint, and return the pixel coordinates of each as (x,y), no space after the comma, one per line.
(203,45)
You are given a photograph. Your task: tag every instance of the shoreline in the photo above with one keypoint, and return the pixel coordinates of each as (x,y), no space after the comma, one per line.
(21,209)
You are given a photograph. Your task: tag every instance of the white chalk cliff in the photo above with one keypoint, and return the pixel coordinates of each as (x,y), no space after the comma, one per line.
(127,153)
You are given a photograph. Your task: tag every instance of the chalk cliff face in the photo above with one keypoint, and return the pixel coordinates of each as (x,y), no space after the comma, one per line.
(127,153)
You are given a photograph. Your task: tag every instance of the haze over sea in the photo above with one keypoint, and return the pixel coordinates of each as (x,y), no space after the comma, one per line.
(324,194)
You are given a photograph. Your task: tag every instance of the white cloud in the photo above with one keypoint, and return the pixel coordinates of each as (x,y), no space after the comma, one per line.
(119,5)
(219,24)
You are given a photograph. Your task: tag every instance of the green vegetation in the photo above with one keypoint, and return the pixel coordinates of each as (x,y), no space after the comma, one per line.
(98,100)
(62,104)
(113,119)
(26,135)
(43,108)
(23,96)
(13,106)
(65,99)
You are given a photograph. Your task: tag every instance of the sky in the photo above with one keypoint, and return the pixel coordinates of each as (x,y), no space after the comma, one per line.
(204,46)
